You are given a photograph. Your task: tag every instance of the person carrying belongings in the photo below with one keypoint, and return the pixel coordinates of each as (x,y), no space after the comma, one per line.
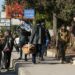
(1,48)
(63,39)
(25,32)
(7,48)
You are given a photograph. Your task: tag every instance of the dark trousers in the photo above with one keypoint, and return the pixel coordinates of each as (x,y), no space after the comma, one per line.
(34,58)
(62,48)
(37,52)
(7,57)
(40,50)
(0,57)
(44,50)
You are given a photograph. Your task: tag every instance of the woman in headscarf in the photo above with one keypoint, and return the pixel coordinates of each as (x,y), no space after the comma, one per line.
(8,47)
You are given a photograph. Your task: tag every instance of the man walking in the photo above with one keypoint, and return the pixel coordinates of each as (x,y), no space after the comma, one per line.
(63,39)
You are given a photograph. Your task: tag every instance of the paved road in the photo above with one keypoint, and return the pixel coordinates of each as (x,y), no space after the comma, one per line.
(50,66)
(8,73)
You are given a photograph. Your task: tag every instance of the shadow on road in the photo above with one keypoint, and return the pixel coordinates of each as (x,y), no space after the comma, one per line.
(10,72)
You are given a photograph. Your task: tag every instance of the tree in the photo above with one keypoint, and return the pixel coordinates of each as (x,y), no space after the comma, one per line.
(63,8)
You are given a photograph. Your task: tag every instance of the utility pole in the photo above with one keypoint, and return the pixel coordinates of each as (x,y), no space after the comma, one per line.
(55,26)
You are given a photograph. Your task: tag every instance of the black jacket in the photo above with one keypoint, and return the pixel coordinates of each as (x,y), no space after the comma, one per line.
(1,46)
(37,35)
(10,41)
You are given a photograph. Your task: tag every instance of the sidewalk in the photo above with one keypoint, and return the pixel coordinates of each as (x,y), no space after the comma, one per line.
(50,66)
(47,69)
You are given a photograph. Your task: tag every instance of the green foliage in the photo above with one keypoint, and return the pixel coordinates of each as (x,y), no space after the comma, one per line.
(63,8)
(45,8)
(49,25)
(3,29)
(66,9)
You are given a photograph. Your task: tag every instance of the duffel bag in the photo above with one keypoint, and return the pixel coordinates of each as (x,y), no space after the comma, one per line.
(28,48)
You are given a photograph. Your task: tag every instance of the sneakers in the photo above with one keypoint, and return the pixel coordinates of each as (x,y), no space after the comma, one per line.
(63,62)
(41,59)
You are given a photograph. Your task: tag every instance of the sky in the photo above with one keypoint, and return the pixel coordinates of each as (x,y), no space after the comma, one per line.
(1,3)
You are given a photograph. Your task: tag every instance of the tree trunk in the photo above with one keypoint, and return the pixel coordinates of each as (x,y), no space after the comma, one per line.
(55,26)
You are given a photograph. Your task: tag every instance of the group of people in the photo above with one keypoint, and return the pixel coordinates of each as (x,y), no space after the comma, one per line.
(37,35)
(6,47)
(40,37)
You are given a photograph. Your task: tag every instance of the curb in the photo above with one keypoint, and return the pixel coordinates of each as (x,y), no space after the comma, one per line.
(21,71)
